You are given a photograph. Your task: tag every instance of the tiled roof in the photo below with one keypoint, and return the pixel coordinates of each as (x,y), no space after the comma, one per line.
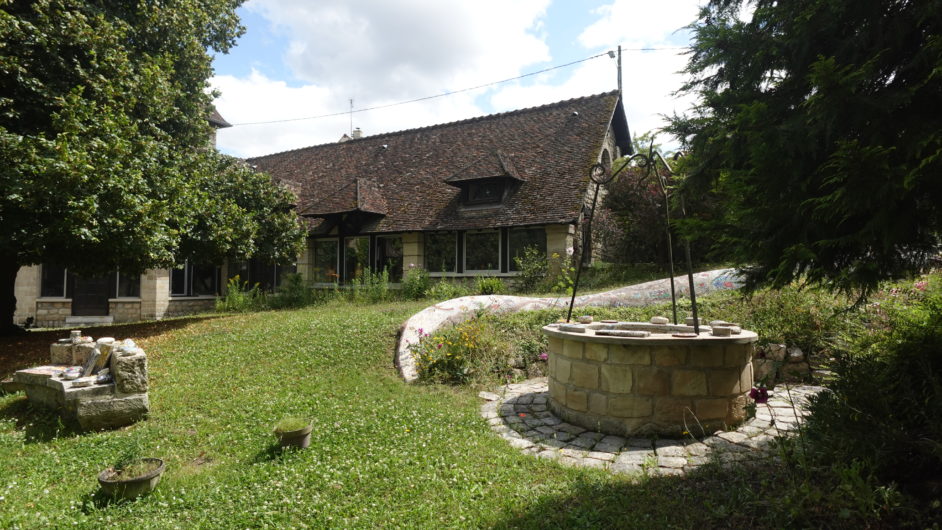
(217,120)
(547,150)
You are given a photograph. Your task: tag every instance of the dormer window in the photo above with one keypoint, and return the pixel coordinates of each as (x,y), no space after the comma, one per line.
(485,192)
(487,180)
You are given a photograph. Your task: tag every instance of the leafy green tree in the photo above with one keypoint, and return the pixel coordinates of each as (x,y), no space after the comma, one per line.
(104,141)
(815,127)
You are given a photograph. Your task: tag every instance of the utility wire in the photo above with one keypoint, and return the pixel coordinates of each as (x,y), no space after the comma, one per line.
(443,94)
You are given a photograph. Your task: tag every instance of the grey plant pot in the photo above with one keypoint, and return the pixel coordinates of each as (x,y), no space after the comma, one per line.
(299,439)
(130,488)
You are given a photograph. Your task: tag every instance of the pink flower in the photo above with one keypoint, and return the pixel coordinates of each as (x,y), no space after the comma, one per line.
(544,356)
(439,345)
(921,285)
(421,331)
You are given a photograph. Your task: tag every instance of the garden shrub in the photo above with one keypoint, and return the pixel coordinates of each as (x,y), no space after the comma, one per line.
(446,290)
(885,405)
(532,267)
(463,354)
(370,287)
(240,297)
(292,293)
(487,285)
(561,276)
(416,283)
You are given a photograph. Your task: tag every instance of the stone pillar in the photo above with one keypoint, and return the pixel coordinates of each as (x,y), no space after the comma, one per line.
(155,293)
(559,239)
(413,251)
(26,290)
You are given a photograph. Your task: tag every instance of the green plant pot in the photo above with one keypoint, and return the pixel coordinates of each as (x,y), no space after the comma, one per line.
(120,487)
(300,438)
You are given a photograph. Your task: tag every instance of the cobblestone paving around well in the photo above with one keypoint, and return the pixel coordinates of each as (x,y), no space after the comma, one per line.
(520,414)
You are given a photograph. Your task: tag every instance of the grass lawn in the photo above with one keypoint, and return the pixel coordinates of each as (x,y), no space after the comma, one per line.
(383,453)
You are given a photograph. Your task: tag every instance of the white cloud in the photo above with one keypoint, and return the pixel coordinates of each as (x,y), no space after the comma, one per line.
(377,52)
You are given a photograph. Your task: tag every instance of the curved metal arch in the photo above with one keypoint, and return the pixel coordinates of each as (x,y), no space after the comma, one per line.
(601,176)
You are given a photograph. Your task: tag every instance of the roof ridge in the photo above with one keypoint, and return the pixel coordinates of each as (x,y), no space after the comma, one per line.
(446,124)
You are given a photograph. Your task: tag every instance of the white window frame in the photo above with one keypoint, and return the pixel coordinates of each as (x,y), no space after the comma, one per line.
(186,281)
(117,287)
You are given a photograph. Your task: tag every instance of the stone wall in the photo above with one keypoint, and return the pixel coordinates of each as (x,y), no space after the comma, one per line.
(52,312)
(188,306)
(125,310)
(651,387)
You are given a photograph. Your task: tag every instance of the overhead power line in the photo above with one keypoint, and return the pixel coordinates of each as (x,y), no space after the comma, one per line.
(452,92)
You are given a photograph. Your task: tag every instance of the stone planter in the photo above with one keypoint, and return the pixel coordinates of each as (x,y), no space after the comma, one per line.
(300,438)
(117,486)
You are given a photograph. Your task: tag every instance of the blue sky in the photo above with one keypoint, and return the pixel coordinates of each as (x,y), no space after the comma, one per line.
(301,58)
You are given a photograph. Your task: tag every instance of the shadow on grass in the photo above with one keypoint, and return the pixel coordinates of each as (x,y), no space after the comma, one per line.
(32,348)
(273,452)
(39,424)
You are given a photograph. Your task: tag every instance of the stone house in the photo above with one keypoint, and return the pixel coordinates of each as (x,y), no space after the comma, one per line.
(459,199)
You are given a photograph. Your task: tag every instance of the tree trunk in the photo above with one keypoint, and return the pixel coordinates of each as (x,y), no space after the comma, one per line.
(8,269)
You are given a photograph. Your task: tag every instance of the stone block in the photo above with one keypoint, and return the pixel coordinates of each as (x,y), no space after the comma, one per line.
(652,381)
(60,353)
(618,354)
(738,354)
(81,352)
(38,375)
(737,410)
(555,345)
(746,379)
(708,355)
(669,355)
(711,409)
(777,352)
(630,407)
(595,351)
(616,379)
(795,355)
(585,375)
(563,369)
(130,373)
(764,370)
(44,396)
(89,392)
(557,390)
(673,411)
(573,349)
(598,403)
(577,400)
(94,414)
(725,382)
(688,383)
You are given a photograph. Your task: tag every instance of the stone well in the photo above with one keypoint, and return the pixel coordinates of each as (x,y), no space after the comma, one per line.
(659,384)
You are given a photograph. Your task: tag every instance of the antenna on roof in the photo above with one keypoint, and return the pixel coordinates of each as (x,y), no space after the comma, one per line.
(351,116)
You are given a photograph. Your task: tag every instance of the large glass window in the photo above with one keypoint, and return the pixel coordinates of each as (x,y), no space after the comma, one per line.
(53,281)
(356,256)
(482,251)
(523,238)
(127,285)
(389,256)
(325,261)
(204,280)
(441,249)
(198,280)
(178,280)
